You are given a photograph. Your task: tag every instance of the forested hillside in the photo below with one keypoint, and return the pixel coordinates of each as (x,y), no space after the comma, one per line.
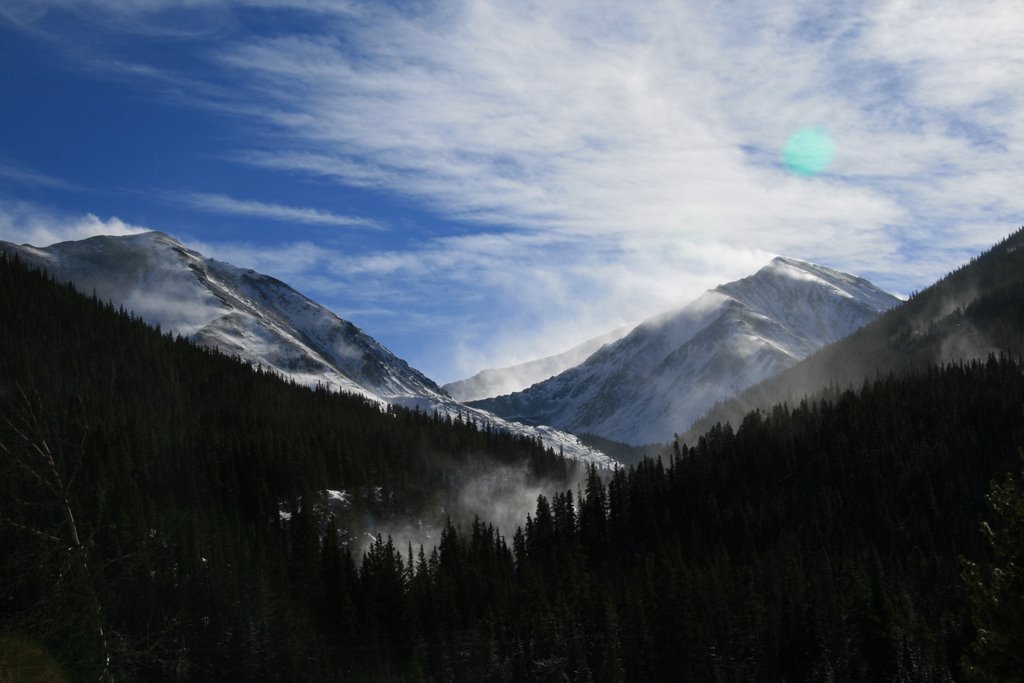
(816,542)
(142,483)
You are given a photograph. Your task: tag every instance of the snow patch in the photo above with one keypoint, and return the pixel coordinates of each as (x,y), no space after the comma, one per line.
(343,497)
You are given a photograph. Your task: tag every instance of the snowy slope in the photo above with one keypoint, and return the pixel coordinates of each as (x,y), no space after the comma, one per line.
(240,312)
(257,318)
(672,368)
(500,381)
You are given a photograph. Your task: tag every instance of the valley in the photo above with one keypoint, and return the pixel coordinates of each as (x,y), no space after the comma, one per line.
(382,519)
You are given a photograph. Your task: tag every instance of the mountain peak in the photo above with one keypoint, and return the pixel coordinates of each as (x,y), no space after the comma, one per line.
(159,236)
(786,260)
(792,267)
(789,278)
(261,320)
(154,239)
(968,314)
(669,370)
(147,237)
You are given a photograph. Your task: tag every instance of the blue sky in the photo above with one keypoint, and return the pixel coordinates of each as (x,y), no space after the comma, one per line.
(480,183)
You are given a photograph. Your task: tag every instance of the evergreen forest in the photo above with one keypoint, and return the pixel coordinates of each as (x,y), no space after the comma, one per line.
(853,536)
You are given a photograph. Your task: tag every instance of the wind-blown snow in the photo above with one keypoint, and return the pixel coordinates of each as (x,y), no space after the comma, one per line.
(500,381)
(672,368)
(259,319)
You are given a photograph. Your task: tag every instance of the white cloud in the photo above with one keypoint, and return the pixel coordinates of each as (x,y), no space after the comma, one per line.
(293,262)
(219,203)
(569,118)
(962,54)
(626,130)
(25,176)
(26,223)
(620,157)
(526,294)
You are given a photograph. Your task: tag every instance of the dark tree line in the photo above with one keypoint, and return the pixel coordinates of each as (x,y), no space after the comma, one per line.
(174,462)
(816,542)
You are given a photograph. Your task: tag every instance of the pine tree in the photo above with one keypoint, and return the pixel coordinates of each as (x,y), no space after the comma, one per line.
(997,591)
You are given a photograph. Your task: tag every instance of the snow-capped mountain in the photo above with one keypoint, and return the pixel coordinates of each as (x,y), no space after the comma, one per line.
(500,381)
(974,311)
(241,312)
(669,370)
(257,318)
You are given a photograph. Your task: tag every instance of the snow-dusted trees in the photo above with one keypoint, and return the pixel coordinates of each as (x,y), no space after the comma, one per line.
(996,591)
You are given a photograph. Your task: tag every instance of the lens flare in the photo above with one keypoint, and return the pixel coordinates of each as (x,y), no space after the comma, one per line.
(808,151)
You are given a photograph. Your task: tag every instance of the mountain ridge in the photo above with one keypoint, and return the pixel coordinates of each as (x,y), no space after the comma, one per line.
(260,319)
(492,382)
(672,367)
(236,310)
(971,312)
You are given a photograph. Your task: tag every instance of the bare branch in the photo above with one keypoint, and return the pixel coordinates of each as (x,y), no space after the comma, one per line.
(36,532)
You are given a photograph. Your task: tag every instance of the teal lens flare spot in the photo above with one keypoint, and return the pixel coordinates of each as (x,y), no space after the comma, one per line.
(808,151)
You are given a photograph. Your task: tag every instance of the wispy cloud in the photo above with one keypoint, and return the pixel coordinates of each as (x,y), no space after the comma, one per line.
(661,124)
(220,203)
(27,223)
(297,263)
(616,157)
(603,119)
(24,176)
(521,292)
